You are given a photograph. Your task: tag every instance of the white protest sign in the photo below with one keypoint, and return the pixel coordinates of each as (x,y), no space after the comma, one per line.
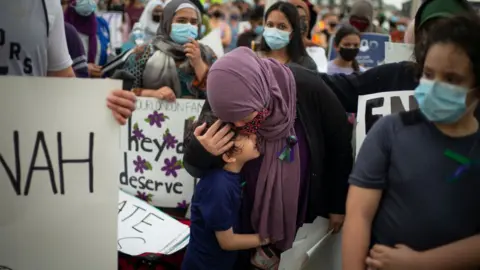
(313,241)
(319,57)
(59,158)
(144,229)
(372,107)
(152,167)
(398,52)
(214,41)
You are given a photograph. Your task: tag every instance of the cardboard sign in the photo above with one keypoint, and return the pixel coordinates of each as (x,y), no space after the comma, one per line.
(59,158)
(372,107)
(144,229)
(152,140)
(372,49)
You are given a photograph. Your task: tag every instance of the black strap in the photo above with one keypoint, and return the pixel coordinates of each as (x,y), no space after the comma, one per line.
(45,12)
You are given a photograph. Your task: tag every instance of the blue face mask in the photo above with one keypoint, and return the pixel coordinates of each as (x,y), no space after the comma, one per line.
(85,7)
(401,28)
(275,38)
(258,29)
(441,102)
(203,29)
(206,6)
(182,32)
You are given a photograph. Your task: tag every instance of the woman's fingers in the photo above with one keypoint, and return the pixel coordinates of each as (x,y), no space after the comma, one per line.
(123,99)
(225,148)
(119,118)
(212,130)
(221,133)
(225,140)
(199,130)
(125,112)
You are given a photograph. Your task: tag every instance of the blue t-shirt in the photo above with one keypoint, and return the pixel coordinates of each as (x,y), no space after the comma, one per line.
(215,207)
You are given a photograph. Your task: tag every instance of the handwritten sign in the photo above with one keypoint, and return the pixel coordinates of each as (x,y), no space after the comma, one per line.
(153,144)
(59,157)
(372,49)
(144,229)
(372,107)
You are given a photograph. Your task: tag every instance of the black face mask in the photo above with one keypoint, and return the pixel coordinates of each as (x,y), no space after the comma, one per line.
(156,18)
(348,54)
(116,8)
(234,17)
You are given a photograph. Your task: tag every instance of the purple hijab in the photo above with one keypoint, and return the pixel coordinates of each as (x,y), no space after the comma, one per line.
(86,25)
(238,84)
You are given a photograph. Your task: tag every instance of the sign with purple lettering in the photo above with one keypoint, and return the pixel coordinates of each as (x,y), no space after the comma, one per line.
(59,158)
(153,148)
(143,228)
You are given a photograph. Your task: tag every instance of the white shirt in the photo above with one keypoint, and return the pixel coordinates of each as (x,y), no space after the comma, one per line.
(26,49)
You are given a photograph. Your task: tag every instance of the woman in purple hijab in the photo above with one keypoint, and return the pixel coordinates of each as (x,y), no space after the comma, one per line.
(304,140)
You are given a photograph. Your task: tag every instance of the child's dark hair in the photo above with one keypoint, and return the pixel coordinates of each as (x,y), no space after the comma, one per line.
(209,118)
(344,31)
(462,31)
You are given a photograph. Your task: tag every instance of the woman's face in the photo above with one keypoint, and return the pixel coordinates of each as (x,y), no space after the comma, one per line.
(445,62)
(276,19)
(186,15)
(350,42)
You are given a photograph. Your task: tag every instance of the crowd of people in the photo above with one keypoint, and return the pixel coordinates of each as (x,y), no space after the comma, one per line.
(272,145)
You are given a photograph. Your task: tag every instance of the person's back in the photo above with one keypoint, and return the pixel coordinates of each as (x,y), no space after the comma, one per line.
(32,38)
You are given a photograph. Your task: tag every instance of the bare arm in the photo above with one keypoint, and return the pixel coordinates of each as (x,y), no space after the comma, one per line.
(67,72)
(362,204)
(463,254)
(231,241)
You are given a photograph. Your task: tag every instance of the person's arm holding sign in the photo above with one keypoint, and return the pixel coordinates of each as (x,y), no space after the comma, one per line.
(463,254)
(367,181)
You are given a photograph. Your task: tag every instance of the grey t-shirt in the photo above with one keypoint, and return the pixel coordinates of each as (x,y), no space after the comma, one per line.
(423,204)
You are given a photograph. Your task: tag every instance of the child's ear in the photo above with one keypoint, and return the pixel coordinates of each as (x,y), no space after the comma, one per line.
(228,159)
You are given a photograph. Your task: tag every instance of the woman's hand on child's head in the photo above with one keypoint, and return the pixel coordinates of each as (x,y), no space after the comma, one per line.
(215,141)
(164,93)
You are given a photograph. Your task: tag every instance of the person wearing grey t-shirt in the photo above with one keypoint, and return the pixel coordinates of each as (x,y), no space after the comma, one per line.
(414,200)
(32,39)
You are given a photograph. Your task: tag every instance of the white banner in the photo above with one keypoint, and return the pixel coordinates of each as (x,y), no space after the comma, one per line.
(153,144)
(372,107)
(59,156)
(144,229)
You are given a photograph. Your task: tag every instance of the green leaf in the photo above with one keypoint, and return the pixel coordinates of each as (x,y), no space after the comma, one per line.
(167,131)
(147,120)
(135,126)
(166,117)
(179,162)
(191,118)
(148,165)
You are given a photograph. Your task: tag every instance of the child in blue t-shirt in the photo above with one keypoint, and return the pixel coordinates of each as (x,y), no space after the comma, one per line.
(215,210)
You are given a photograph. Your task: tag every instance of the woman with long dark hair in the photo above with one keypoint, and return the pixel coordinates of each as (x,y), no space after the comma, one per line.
(282,36)
(346,44)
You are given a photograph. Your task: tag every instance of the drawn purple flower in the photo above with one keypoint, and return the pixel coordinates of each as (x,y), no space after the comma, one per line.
(142,165)
(183,204)
(172,166)
(144,196)
(169,139)
(156,119)
(137,132)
